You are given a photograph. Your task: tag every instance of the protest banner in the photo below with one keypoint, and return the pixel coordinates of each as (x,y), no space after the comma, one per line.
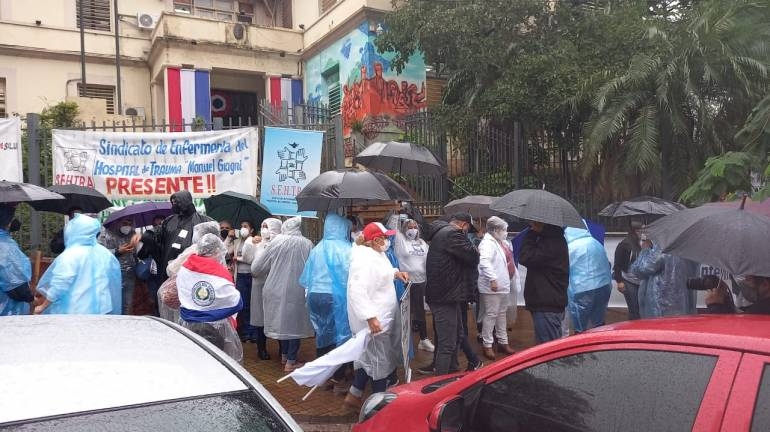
(292,158)
(153,165)
(10,149)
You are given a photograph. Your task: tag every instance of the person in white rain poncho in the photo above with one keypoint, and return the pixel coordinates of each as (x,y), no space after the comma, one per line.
(208,299)
(412,253)
(372,303)
(271,228)
(286,314)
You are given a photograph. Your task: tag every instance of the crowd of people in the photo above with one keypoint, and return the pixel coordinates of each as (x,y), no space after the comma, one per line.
(235,284)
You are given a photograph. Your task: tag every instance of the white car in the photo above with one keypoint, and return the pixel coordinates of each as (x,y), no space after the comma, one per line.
(124,373)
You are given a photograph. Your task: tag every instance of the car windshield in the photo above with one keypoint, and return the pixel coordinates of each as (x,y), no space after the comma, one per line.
(241,411)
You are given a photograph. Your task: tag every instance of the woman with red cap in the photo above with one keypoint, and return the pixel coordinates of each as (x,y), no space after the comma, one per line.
(372,304)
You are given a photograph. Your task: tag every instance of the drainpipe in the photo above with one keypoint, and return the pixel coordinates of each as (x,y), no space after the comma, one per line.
(82,48)
(117,57)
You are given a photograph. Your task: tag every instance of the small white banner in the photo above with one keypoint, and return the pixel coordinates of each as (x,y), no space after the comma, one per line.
(153,165)
(10,149)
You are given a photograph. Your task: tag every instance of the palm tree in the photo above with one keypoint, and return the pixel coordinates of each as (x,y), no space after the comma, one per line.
(682,97)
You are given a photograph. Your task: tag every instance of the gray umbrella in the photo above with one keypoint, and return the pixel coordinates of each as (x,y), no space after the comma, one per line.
(540,206)
(476,205)
(400,157)
(341,188)
(641,206)
(731,239)
(87,199)
(24,192)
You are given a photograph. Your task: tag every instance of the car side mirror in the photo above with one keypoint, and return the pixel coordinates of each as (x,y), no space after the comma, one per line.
(447,416)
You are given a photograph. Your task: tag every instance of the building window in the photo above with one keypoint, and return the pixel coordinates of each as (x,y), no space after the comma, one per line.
(3,106)
(221,10)
(97,91)
(96,14)
(327,4)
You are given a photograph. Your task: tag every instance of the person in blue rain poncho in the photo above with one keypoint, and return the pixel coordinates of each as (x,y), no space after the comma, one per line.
(590,279)
(15,269)
(663,291)
(85,278)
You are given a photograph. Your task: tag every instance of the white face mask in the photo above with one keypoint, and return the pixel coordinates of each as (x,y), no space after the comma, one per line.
(387,245)
(126,230)
(244,232)
(265,233)
(411,233)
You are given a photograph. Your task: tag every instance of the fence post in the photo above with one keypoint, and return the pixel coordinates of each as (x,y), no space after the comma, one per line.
(33,166)
(339,143)
(517,153)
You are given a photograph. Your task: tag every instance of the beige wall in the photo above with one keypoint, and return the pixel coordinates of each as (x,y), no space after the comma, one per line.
(338,15)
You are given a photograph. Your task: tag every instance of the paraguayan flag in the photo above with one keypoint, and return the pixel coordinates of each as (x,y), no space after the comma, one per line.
(206,291)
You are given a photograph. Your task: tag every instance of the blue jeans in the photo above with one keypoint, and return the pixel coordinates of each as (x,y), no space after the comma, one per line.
(289,348)
(129,281)
(360,379)
(547,326)
(587,308)
(243,285)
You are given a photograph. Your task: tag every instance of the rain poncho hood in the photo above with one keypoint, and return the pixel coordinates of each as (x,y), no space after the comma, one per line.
(183,203)
(85,278)
(326,272)
(589,267)
(663,291)
(286,315)
(257,313)
(15,270)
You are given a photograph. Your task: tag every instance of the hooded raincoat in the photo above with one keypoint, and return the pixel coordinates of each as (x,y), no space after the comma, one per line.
(286,315)
(590,278)
(15,270)
(663,291)
(85,278)
(326,280)
(257,316)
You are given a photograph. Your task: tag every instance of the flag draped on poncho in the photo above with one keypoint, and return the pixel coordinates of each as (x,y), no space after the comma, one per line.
(206,291)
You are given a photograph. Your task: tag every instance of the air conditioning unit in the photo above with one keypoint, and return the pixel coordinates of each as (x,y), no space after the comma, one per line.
(134,112)
(237,33)
(146,21)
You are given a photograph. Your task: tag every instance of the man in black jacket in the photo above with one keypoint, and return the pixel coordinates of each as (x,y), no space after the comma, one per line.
(627,282)
(452,260)
(544,252)
(174,235)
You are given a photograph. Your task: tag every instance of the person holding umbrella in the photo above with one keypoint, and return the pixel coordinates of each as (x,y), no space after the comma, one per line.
(121,240)
(15,269)
(57,242)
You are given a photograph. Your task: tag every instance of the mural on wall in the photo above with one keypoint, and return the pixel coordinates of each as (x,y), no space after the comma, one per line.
(354,75)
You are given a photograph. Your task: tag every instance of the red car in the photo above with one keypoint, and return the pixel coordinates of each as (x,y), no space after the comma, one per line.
(699,373)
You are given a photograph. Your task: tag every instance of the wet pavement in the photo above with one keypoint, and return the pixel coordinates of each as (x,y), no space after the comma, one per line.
(324,411)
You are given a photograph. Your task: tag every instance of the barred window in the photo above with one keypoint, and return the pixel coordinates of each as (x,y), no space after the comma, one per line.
(3,109)
(97,91)
(96,14)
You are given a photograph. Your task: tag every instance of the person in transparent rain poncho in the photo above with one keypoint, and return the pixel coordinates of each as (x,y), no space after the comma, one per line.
(286,314)
(590,280)
(168,298)
(663,291)
(270,229)
(208,298)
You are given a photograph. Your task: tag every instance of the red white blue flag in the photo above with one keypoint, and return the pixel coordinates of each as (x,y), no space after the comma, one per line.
(206,291)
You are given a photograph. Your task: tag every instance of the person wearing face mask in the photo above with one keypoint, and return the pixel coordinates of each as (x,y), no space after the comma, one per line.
(755,289)
(495,274)
(286,315)
(628,282)
(663,291)
(372,304)
(175,234)
(269,230)
(243,248)
(355,228)
(451,273)
(15,268)
(121,240)
(412,253)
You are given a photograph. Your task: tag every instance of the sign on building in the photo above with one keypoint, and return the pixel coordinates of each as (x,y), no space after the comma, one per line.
(10,149)
(153,165)
(292,158)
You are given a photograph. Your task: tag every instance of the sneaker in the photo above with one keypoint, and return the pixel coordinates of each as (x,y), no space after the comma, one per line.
(427,370)
(284,359)
(354,402)
(426,345)
(474,367)
(291,366)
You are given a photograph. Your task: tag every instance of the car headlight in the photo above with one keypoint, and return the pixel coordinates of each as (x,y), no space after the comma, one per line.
(374,404)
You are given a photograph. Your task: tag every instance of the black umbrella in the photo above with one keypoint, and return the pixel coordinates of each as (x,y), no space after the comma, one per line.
(342,188)
(731,239)
(236,208)
(400,157)
(642,206)
(476,205)
(87,199)
(24,192)
(540,206)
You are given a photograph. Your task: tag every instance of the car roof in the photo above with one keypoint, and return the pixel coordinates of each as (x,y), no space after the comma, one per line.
(59,364)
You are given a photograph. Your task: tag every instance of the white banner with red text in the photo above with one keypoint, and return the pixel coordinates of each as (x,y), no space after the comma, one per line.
(10,149)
